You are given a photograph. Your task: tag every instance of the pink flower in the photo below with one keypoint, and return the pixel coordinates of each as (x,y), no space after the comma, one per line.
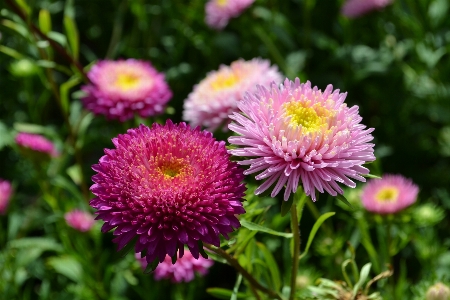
(356,8)
(167,186)
(119,89)
(5,195)
(79,220)
(37,143)
(219,12)
(298,134)
(183,270)
(389,195)
(216,96)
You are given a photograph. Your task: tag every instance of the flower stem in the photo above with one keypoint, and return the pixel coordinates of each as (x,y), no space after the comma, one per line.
(296,252)
(235,264)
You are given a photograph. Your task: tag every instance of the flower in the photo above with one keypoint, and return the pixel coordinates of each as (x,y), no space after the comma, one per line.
(439,291)
(167,186)
(356,8)
(79,220)
(119,89)
(301,134)
(5,195)
(388,195)
(183,270)
(37,143)
(219,12)
(216,96)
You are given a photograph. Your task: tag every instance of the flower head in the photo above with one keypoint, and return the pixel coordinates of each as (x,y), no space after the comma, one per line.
(389,195)
(5,195)
(219,12)
(295,133)
(119,89)
(37,143)
(167,186)
(183,270)
(439,291)
(216,96)
(356,8)
(79,220)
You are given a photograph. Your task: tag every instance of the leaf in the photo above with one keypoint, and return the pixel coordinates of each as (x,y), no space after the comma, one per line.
(58,37)
(45,21)
(67,266)
(5,136)
(371,176)
(36,242)
(313,232)
(72,35)
(224,293)
(151,266)
(256,227)
(343,199)
(10,52)
(272,264)
(64,91)
(362,278)
(286,205)
(236,287)
(74,173)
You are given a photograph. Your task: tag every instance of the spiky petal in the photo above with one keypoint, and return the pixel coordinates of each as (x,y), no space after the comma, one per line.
(79,220)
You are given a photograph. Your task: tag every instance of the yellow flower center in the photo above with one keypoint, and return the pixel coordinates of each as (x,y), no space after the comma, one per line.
(310,117)
(222,2)
(387,194)
(224,81)
(127,81)
(173,168)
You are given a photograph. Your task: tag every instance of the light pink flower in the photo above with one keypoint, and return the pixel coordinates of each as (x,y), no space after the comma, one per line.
(356,8)
(183,270)
(5,195)
(119,89)
(37,143)
(219,12)
(389,195)
(294,134)
(79,220)
(216,96)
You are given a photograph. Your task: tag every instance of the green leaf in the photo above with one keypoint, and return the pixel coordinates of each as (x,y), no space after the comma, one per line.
(236,287)
(64,91)
(45,21)
(67,266)
(362,278)
(272,264)
(343,199)
(58,37)
(256,227)
(6,138)
(36,242)
(286,205)
(313,232)
(224,293)
(74,173)
(11,52)
(72,35)
(371,176)
(151,266)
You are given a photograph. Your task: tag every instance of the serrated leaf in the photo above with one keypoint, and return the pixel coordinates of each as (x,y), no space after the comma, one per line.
(45,21)
(313,232)
(344,200)
(67,266)
(256,227)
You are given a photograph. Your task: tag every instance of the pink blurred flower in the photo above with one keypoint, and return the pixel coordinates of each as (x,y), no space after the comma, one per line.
(356,8)
(216,96)
(168,186)
(37,143)
(79,220)
(5,195)
(300,134)
(119,89)
(219,12)
(183,270)
(389,195)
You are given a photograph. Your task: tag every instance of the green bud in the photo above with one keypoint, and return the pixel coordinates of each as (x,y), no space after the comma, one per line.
(428,215)
(23,68)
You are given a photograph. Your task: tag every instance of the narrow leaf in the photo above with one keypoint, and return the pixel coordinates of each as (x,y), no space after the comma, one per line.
(236,287)
(313,232)
(72,35)
(372,176)
(151,266)
(10,52)
(224,293)
(343,199)
(272,264)
(45,21)
(67,266)
(362,278)
(64,91)
(256,227)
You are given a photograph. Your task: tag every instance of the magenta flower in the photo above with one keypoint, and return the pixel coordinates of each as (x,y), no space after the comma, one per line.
(356,8)
(119,89)
(300,134)
(79,220)
(219,12)
(216,96)
(5,195)
(389,195)
(183,270)
(167,186)
(37,143)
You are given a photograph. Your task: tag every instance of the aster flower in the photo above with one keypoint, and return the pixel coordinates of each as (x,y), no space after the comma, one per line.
(37,143)
(356,8)
(5,195)
(389,195)
(79,220)
(119,89)
(216,96)
(219,12)
(296,133)
(167,186)
(183,270)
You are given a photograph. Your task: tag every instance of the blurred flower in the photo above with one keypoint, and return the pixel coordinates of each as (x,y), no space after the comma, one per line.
(301,134)
(37,143)
(5,195)
(356,8)
(439,291)
(183,270)
(119,89)
(428,215)
(216,96)
(168,186)
(388,195)
(219,12)
(79,220)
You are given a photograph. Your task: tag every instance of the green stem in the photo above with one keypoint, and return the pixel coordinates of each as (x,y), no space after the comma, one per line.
(296,252)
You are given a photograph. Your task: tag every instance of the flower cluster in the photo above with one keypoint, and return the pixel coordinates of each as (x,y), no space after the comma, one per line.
(216,96)
(356,8)
(167,186)
(37,143)
(5,195)
(219,12)
(79,220)
(297,133)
